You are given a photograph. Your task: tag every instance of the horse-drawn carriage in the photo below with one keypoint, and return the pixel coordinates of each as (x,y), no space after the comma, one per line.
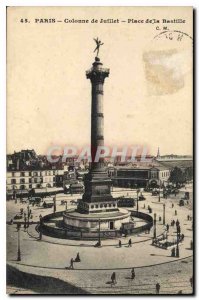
(63,202)
(155,193)
(141,198)
(181,202)
(35,201)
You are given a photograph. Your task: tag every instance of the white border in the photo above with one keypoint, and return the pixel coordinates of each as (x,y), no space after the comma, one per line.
(3,4)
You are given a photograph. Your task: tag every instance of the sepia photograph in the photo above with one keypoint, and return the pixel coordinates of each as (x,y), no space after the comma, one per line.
(99,150)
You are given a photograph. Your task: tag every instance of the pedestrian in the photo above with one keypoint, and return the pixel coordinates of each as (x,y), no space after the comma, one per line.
(77,259)
(191,281)
(71,264)
(120,244)
(130,243)
(132,274)
(157,288)
(191,245)
(177,223)
(188,217)
(175,212)
(11,221)
(173,252)
(172,205)
(113,278)
(167,227)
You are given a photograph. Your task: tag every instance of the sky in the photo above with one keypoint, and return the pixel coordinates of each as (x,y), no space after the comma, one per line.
(147,96)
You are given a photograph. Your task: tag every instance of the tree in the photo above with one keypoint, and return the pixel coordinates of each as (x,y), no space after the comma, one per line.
(177,176)
(189,173)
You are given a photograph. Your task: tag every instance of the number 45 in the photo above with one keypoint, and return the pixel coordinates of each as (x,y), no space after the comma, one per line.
(24,21)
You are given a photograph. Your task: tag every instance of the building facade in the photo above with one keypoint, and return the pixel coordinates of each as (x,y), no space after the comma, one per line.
(133,177)
(27,180)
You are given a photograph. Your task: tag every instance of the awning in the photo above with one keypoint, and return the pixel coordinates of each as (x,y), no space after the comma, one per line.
(48,190)
(40,191)
(19,192)
(10,192)
(54,189)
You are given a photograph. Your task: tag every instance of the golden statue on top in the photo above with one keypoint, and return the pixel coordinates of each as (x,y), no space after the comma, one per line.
(98,43)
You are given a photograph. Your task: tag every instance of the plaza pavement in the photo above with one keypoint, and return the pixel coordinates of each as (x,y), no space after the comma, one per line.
(51,256)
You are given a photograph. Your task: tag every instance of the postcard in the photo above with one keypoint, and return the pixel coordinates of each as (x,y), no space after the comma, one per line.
(99,190)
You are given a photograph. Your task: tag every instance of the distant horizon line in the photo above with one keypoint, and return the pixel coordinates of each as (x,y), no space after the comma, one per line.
(148,155)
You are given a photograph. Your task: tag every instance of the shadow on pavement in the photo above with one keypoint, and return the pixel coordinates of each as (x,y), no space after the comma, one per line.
(40,284)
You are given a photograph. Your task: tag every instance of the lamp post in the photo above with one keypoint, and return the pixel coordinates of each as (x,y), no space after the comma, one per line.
(28,208)
(66,207)
(177,247)
(154,226)
(19,248)
(166,240)
(159,193)
(25,223)
(99,239)
(40,226)
(54,206)
(164,214)
(138,200)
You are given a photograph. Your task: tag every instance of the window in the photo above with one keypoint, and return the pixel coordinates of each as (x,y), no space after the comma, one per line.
(13,181)
(13,174)
(22,174)
(30,180)
(101,205)
(96,206)
(105,205)
(22,187)
(29,173)
(92,206)
(113,204)
(22,180)
(109,205)
(30,186)
(111,225)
